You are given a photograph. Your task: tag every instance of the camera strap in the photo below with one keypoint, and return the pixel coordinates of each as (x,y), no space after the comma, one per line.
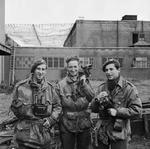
(73,87)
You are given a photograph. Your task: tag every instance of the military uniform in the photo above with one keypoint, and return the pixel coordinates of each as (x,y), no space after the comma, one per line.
(29,130)
(75,121)
(126,101)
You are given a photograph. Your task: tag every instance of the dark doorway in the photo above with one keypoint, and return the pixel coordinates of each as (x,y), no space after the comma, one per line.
(134,38)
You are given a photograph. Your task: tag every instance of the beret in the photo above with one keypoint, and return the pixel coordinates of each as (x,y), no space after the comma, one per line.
(72,59)
(37,63)
(111,61)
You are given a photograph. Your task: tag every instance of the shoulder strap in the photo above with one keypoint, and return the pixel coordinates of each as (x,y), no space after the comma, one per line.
(49,94)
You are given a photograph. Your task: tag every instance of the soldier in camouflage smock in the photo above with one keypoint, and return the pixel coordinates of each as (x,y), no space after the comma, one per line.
(116,101)
(76,94)
(37,107)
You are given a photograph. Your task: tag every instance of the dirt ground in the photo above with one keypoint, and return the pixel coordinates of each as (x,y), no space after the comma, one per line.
(137,142)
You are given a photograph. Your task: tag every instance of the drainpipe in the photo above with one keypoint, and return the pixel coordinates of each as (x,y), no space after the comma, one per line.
(142,26)
(2,59)
(117,39)
(12,66)
(13,69)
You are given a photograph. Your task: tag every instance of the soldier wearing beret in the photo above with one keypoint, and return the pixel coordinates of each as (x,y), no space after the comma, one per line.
(37,107)
(116,101)
(76,93)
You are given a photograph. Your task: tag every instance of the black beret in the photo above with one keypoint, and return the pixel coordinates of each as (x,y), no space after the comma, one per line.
(111,61)
(73,58)
(37,63)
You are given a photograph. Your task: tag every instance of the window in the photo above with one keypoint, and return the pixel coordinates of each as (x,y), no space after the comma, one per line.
(141,62)
(18,61)
(50,62)
(54,62)
(23,62)
(120,59)
(61,62)
(141,35)
(86,60)
(137,36)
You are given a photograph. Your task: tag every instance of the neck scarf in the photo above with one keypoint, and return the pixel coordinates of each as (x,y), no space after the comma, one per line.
(72,79)
(112,84)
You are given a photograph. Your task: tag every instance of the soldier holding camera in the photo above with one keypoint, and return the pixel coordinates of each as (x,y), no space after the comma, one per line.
(76,93)
(37,107)
(117,101)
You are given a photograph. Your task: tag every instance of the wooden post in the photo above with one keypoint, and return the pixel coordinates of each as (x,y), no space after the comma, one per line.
(146,125)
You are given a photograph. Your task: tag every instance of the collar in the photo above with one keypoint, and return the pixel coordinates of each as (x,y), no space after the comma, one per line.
(120,85)
(42,86)
(71,80)
(121,82)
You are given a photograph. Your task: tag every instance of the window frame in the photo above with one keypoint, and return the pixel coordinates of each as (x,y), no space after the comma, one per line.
(141,62)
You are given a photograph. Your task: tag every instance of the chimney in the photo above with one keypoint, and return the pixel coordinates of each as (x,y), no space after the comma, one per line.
(129,17)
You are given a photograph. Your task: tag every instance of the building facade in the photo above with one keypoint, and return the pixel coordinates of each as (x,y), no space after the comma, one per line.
(135,61)
(124,33)
(94,42)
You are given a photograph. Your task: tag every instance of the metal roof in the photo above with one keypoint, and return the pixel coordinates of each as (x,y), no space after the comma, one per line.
(141,43)
(38,34)
(4,50)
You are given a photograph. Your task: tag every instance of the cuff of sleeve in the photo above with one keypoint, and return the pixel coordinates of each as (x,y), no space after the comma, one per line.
(120,112)
(84,84)
(52,121)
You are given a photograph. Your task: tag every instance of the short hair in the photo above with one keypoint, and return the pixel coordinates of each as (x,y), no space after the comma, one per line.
(37,63)
(73,58)
(111,61)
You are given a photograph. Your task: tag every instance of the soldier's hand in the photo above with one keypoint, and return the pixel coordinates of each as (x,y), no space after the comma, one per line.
(112,111)
(102,95)
(46,123)
(83,79)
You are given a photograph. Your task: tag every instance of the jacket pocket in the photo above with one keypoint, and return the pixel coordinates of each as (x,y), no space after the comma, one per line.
(70,124)
(22,132)
(119,135)
(118,125)
(119,132)
(84,123)
(33,134)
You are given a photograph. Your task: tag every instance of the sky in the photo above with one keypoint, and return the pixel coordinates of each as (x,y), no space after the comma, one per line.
(68,11)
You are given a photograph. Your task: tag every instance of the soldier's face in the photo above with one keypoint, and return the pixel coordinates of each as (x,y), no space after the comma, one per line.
(111,72)
(40,72)
(73,68)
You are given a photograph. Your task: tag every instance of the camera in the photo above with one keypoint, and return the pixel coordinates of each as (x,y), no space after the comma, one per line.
(40,110)
(39,106)
(104,100)
(105,103)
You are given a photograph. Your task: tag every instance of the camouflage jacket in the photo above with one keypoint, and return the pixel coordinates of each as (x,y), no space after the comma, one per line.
(126,101)
(29,129)
(75,101)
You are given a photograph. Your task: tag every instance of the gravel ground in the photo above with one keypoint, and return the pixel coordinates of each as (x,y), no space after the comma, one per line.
(138,142)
